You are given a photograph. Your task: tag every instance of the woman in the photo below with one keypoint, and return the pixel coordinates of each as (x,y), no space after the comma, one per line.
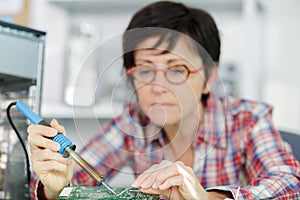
(181,141)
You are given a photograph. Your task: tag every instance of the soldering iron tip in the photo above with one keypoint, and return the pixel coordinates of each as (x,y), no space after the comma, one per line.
(109,188)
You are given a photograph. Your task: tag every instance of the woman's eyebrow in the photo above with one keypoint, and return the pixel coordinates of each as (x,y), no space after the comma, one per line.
(175,60)
(168,62)
(144,60)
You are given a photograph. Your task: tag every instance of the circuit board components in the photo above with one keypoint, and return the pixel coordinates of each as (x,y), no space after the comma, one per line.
(97,192)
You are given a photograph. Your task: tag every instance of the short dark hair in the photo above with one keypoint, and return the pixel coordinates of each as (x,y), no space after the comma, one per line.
(175,19)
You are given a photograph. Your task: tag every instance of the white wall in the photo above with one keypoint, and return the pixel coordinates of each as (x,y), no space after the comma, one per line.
(282,82)
(278,82)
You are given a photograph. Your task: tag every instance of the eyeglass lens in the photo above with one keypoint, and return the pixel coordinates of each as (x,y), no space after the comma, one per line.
(174,74)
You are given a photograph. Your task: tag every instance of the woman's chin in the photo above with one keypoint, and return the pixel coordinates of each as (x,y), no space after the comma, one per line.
(163,116)
(163,121)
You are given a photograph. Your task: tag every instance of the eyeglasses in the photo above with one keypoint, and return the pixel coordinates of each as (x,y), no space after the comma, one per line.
(175,74)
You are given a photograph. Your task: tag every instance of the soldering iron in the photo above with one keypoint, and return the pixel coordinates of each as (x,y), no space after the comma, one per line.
(67,148)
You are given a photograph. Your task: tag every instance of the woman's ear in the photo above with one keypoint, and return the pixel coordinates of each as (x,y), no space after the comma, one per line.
(213,75)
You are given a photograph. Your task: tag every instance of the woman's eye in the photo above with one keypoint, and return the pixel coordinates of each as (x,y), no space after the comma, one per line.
(179,70)
(143,70)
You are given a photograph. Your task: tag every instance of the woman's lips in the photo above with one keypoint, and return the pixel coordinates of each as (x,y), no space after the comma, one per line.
(163,104)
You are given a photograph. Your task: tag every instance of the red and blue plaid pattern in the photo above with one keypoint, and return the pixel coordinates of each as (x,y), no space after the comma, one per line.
(237,149)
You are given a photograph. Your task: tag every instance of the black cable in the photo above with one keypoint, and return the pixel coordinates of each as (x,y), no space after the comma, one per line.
(20,139)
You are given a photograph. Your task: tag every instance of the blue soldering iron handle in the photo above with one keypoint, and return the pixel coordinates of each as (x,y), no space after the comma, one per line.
(36,119)
(28,113)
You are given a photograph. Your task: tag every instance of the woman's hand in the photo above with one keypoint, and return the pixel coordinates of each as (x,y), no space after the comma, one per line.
(53,170)
(171,179)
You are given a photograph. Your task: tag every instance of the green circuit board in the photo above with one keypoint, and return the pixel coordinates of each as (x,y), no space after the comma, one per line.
(98,192)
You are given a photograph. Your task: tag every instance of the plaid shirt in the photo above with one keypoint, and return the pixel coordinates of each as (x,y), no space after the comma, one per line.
(237,149)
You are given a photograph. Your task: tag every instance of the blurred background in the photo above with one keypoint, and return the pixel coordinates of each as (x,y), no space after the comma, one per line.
(259,60)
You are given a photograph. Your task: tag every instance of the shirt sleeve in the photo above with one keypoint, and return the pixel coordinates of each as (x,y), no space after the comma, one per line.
(107,152)
(34,190)
(273,171)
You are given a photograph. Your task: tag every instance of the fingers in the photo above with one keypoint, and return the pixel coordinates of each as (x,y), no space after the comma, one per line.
(37,141)
(161,177)
(146,179)
(41,130)
(54,123)
(49,166)
(47,155)
(38,136)
(170,182)
(172,179)
(54,175)
(45,130)
(45,161)
(191,188)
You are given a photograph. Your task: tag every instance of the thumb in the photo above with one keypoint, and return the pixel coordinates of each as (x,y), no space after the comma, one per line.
(54,124)
(191,188)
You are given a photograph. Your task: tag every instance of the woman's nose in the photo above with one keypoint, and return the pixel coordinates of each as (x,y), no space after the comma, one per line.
(159,87)
(160,83)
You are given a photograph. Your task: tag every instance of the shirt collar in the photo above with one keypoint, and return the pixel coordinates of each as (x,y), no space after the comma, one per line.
(212,129)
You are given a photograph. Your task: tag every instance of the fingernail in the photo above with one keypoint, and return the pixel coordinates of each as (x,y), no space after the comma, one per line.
(133,185)
(163,187)
(154,186)
(145,185)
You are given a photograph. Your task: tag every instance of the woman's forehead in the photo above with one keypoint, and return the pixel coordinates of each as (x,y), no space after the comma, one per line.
(182,49)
